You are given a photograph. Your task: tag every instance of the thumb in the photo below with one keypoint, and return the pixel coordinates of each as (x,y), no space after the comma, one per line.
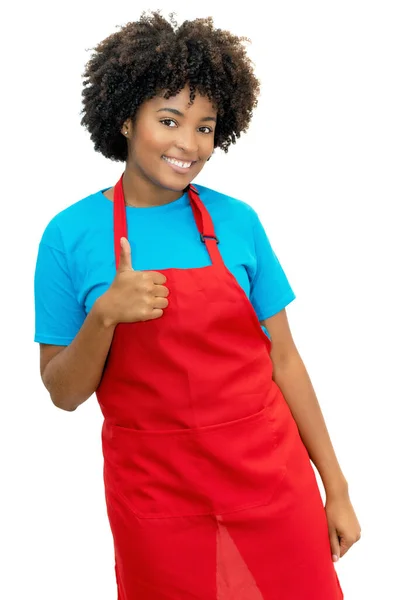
(125,263)
(335,546)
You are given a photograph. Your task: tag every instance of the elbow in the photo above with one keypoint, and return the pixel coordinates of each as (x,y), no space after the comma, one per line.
(61,398)
(69,402)
(64,403)
(62,388)
(67,406)
(61,395)
(286,365)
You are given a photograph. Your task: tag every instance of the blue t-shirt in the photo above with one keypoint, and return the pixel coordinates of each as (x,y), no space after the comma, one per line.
(76,264)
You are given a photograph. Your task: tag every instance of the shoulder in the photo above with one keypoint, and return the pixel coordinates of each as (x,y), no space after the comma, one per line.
(220,203)
(71,222)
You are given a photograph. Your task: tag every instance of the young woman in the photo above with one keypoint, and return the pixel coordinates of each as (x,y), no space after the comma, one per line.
(166,299)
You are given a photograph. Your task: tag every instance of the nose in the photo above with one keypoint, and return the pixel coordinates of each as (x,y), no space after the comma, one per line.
(187,141)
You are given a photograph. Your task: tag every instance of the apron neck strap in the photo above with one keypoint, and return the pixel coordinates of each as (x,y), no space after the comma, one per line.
(119,218)
(205,226)
(202,217)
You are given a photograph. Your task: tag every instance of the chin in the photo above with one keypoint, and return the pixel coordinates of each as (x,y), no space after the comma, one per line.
(174,186)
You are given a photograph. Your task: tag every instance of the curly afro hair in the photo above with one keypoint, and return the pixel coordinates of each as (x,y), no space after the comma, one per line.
(152,56)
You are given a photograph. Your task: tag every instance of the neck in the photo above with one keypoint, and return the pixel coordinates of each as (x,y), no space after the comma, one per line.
(139,191)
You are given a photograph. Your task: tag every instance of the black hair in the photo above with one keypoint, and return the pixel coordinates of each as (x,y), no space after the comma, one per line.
(152,56)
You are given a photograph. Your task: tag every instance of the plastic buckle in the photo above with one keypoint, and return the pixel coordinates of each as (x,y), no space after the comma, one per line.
(210,237)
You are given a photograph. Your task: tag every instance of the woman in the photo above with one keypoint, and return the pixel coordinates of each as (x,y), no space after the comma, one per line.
(167,300)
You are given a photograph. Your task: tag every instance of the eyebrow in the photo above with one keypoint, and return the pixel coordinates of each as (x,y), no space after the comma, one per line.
(174,111)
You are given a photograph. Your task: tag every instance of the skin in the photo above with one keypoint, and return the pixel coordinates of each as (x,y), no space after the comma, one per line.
(290,374)
(173,128)
(169,128)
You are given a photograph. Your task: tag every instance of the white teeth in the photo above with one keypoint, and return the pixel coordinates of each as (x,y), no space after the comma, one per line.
(178,163)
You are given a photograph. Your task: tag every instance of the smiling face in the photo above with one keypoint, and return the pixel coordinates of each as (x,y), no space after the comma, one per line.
(170,141)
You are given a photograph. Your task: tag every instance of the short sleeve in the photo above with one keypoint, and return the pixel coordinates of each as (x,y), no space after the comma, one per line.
(58,314)
(270,289)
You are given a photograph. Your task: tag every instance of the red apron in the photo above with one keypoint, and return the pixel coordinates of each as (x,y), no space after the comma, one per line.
(209,489)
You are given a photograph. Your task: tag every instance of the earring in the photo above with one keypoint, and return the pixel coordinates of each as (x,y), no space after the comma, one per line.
(126,132)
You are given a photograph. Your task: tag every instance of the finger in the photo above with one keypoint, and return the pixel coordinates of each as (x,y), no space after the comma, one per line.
(157,278)
(160,291)
(125,262)
(155,314)
(344,546)
(160,303)
(335,547)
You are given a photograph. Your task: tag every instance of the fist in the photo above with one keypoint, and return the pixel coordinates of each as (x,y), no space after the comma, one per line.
(134,295)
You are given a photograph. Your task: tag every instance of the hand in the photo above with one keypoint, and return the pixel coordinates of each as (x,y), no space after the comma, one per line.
(343,526)
(133,295)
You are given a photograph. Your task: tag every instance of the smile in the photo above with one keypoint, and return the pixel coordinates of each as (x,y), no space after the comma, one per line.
(178,163)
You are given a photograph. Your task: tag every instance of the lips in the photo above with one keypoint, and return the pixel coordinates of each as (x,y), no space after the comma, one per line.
(183,164)
(180,166)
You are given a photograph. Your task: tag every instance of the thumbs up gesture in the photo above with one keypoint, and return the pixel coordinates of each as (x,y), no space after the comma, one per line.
(133,295)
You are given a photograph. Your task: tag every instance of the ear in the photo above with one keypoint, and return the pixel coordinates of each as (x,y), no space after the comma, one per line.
(126,129)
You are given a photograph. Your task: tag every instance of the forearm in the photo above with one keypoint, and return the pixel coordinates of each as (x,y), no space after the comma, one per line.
(73,375)
(293,380)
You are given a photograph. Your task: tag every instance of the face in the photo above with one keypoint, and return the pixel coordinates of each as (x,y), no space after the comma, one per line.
(170,140)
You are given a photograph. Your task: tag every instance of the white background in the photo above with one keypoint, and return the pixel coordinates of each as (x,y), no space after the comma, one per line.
(319,166)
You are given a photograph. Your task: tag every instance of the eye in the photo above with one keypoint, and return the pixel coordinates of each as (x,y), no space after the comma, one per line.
(167,122)
(171,123)
(209,130)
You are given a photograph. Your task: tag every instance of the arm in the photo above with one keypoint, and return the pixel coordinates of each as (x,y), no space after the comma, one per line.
(291,376)
(270,294)
(73,345)
(71,374)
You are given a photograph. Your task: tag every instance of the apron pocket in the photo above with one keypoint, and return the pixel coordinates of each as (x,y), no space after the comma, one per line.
(208,470)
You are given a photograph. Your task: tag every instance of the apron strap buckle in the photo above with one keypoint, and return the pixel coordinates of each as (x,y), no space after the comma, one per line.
(210,237)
